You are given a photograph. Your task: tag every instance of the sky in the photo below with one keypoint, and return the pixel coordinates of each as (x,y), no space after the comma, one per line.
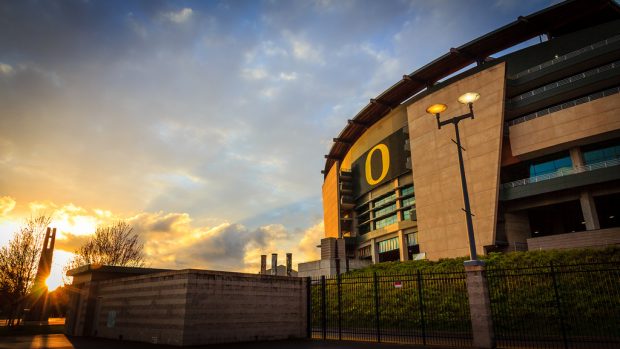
(203,124)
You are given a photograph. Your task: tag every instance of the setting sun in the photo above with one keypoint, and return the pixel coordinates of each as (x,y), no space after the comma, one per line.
(52,284)
(55,280)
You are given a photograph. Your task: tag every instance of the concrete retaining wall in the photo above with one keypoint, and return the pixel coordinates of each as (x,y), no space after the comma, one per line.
(592,238)
(230,307)
(193,307)
(149,308)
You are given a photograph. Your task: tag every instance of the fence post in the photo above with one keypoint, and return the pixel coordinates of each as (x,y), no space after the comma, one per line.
(421,306)
(309,307)
(377,317)
(339,308)
(323,307)
(559,306)
(479,305)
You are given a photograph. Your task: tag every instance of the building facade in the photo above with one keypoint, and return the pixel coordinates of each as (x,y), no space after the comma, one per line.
(542,155)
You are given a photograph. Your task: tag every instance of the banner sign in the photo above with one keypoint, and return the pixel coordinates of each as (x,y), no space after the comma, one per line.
(382,163)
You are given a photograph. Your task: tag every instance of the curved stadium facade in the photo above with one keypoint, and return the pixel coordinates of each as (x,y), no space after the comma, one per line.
(542,155)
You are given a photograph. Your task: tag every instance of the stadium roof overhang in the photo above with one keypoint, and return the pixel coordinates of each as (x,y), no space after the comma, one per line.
(553,21)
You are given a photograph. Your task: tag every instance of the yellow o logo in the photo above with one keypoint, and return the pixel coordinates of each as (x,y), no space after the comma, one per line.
(385,163)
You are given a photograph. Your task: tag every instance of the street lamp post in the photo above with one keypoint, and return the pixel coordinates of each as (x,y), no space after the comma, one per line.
(436,109)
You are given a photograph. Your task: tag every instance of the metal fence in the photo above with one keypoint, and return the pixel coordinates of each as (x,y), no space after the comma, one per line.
(568,306)
(416,308)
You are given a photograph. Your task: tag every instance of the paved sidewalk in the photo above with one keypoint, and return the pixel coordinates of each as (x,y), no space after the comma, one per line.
(60,341)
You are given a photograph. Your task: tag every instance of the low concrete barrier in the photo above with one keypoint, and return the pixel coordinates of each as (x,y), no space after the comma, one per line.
(192,307)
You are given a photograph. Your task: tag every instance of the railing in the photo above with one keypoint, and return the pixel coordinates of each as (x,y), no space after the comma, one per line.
(569,104)
(562,172)
(421,308)
(566,56)
(567,306)
(569,80)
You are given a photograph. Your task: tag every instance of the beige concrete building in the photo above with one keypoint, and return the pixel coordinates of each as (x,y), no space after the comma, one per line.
(541,155)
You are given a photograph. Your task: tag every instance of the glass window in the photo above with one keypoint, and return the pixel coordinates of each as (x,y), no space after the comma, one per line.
(550,166)
(406,215)
(600,155)
(408,202)
(385,200)
(385,210)
(386,221)
(388,245)
(364,252)
(406,190)
(412,239)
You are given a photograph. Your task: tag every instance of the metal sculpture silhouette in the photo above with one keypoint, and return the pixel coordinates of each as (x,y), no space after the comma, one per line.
(38,296)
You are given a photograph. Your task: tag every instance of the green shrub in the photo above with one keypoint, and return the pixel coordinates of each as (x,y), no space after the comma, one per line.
(521,289)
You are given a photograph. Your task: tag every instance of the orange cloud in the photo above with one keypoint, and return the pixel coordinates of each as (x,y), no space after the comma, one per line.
(171,240)
(7,204)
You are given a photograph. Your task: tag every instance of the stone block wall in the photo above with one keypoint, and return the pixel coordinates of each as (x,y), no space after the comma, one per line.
(192,307)
(231,307)
(148,308)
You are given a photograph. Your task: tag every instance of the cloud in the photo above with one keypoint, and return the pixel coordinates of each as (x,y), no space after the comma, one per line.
(311,238)
(210,121)
(180,16)
(173,240)
(288,76)
(303,49)
(6,69)
(7,204)
(69,242)
(254,74)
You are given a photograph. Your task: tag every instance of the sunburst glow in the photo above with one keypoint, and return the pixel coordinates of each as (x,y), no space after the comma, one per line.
(55,280)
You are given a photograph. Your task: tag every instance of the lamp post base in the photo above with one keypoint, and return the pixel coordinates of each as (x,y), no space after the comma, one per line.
(472,263)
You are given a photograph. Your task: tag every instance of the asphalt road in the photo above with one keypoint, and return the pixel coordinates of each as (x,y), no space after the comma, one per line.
(60,341)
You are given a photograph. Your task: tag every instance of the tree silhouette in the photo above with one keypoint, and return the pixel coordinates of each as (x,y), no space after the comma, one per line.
(18,265)
(115,244)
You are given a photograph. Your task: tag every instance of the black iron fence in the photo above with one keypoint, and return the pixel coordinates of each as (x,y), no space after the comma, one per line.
(568,306)
(419,308)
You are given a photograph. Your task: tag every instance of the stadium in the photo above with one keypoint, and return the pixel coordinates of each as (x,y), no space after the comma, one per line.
(541,148)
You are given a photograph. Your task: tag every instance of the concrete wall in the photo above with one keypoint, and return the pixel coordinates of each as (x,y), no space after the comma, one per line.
(331,205)
(193,307)
(517,228)
(232,307)
(149,308)
(332,248)
(591,238)
(581,122)
(442,230)
(329,267)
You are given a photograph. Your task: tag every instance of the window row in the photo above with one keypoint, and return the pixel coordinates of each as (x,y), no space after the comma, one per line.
(388,249)
(592,154)
(383,211)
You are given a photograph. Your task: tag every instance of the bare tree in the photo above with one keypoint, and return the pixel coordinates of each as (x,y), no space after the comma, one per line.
(116,244)
(18,264)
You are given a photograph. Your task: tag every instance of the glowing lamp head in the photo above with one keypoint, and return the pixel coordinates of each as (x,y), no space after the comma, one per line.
(469,97)
(436,109)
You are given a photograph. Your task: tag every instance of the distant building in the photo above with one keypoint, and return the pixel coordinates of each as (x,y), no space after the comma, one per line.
(281,271)
(541,156)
